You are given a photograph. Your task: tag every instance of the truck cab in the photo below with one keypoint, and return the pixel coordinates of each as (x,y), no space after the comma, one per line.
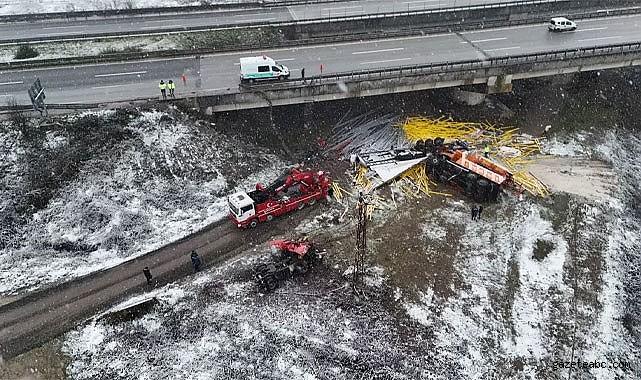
(261,68)
(241,207)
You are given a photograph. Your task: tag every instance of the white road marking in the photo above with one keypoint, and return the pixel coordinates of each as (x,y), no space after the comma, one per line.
(599,38)
(489,40)
(111,86)
(8,83)
(505,48)
(420,2)
(64,27)
(591,29)
(164,26)
(342,8)
(254,14)
(260,19)
(388,60)
(117,74)
(376,51)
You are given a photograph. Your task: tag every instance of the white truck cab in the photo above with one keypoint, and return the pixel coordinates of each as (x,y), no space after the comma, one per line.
(560,24)
(241,206)
(261,68)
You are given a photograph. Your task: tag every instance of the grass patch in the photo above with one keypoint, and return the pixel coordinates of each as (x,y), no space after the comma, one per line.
(220,39)
(26,52)
(542,249)
(128,49)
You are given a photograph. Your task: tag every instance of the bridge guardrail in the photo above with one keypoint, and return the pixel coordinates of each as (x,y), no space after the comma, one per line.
(299,22)
(467,65)
(410,30)
(242,4)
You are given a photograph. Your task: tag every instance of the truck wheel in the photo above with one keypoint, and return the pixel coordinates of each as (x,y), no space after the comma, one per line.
(253,223)
(300,206)
(269,218)
(271,283)
(280,275)
(312,201)
(301,266)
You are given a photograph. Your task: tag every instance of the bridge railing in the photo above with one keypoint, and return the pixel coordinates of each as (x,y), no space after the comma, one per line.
(459,66)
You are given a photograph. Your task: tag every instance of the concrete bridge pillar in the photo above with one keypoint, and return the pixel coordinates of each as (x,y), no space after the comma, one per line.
(467,97)
(499,84)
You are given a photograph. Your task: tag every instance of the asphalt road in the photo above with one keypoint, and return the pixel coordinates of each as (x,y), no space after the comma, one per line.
(219,73)
(73,28)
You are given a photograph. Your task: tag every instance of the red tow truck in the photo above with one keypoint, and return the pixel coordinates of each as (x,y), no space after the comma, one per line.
(291,191)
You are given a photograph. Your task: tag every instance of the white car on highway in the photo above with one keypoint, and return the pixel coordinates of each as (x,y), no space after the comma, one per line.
(560,24)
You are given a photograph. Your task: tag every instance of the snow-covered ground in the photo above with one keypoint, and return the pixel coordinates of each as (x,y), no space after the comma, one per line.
(478,304)
(11,7)
(154,181)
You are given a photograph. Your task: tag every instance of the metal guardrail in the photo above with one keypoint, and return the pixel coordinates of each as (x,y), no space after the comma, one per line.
(504,21)
(410,30)
(458,66)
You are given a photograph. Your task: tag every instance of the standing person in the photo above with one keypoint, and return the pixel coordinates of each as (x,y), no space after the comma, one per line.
(184,78)
(478,213)
(475,212)
(148,275)
(195,261)
(486,151)
(171,86)
(302,74)
(163,89)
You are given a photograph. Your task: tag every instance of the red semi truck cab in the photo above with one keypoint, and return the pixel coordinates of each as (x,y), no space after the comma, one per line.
(292,191)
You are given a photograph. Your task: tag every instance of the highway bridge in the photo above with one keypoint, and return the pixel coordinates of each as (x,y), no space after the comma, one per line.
(494,56)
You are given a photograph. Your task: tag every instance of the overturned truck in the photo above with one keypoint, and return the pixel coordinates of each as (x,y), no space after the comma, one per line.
(454,163)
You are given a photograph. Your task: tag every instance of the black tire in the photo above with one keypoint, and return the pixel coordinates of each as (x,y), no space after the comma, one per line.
(271,283)
(439,141)
(483,183)
(420,145)
(262,268)
(281,78)
(269,218)
(482,190)
(252,81)
(280,275)
(300,206)
(493,192)
(301,266)
(253,223)
(312,201)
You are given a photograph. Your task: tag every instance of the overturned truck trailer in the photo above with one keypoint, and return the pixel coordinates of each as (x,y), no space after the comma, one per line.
(453,163)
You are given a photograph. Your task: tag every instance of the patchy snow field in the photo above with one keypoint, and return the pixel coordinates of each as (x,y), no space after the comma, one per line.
(10,7)
(446,298)
(534,283)
(144,185)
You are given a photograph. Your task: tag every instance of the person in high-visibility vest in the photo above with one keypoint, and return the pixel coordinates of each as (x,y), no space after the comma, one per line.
(171,86)
(486,151)
(163,91)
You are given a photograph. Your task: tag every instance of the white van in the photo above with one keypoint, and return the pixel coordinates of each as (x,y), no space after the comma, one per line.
(259,68)
(560,24)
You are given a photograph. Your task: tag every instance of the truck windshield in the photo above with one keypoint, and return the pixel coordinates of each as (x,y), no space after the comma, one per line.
(234,210)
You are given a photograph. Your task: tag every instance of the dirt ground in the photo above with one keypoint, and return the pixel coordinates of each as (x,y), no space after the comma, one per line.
(586,178)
